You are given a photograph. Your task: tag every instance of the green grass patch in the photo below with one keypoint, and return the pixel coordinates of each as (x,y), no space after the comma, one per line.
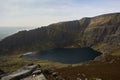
(13,62)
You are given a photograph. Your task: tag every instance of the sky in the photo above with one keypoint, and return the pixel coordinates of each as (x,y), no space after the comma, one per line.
(44,12)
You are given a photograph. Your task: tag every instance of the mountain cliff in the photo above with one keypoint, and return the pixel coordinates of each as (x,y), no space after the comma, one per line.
(101,33)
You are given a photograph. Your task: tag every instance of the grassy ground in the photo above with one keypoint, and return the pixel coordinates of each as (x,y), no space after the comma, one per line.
(12,63)
(116,52)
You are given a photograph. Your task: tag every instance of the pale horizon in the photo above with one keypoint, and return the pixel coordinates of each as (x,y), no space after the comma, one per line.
(37,13)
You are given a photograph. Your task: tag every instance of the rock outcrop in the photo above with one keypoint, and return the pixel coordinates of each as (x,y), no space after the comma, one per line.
(20,73)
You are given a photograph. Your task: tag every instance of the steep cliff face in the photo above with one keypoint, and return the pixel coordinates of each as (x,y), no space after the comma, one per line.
(104,32)
(52,36)
(101,33)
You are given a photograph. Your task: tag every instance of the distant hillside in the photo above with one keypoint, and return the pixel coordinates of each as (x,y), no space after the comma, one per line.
(101,33)
(7,31)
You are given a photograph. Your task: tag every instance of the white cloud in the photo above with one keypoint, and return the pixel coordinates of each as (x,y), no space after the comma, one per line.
(43,12)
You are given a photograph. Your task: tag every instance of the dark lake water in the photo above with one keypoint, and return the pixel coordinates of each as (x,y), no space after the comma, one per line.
(64,55)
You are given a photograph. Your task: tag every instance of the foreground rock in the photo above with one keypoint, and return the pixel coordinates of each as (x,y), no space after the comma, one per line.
(22,73)
(35,77)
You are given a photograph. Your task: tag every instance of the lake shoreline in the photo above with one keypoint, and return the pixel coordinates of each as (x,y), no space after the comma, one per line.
(63,55)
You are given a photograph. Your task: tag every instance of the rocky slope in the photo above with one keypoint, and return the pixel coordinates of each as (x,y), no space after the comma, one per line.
(101,33)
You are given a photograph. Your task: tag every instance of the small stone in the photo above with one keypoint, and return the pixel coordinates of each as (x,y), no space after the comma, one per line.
(78,74)
(83,75)
(79,79)
(55,74)
(86,78)
(97,78)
